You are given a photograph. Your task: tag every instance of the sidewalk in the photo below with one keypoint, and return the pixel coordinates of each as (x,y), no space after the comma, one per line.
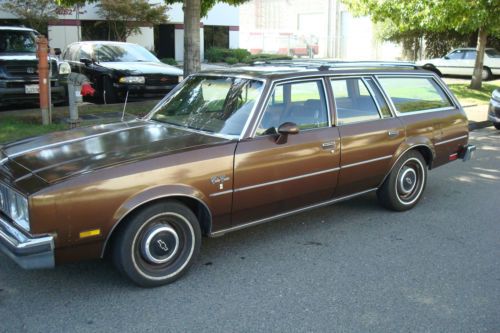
(477,115)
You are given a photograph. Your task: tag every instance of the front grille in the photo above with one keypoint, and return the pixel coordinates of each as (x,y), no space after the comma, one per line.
(161,80)
(27,68)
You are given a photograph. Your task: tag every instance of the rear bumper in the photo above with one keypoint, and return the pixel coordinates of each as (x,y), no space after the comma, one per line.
(27,251)
(467,152)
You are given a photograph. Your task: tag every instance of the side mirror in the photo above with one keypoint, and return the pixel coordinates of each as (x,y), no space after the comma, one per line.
(86,61)
(446,57)
(57,51)
(285,130)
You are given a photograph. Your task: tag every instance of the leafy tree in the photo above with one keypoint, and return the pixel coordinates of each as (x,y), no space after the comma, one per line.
(193,11)
(435,16)
(33,13)
(125,17)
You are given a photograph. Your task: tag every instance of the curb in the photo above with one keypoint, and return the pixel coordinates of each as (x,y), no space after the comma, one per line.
(475,125)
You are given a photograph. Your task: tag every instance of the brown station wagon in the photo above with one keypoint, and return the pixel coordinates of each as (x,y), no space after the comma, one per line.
(225,150)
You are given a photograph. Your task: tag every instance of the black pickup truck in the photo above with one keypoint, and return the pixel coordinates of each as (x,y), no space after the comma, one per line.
(19,68)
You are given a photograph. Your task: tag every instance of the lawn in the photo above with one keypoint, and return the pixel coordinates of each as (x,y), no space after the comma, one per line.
(468,96)
(13,128)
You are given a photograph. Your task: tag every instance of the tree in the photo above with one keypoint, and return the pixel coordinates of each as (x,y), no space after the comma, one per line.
(435,16)
(33,13)
(193,11)
(125,17)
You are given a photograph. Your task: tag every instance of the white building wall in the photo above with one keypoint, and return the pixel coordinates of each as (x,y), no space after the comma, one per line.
(234,39)
(60,36)
(145,37)
(179,44)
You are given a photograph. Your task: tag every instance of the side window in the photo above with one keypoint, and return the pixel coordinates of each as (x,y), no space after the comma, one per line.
(353,101)
(458,54)
(302,103)
(382,104)
(410,94)
(470,55)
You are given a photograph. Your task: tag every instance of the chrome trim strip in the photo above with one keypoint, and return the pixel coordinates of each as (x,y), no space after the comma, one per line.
(450,140)
(366,161)
(372,94)
(285,180)
(108,237)
(55,144)
(216,194)
(295,211)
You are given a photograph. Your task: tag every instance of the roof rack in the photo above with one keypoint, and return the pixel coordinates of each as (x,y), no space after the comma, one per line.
(332,64)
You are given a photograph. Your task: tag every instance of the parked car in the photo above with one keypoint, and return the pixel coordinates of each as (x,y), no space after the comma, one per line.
(225,150)
(461,62)
(19,68)
(115,68)
(494,108)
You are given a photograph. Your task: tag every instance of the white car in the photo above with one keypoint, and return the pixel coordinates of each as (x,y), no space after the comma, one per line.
(461,62)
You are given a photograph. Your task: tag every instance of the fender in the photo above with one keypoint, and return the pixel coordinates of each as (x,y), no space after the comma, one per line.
(149,195)
(409,144)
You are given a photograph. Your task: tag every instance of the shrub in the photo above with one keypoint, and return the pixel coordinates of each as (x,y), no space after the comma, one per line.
(216,54)
(240,54)
(231,60)
(169,61)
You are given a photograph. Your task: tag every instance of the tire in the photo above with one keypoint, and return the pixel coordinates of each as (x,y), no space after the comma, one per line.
(404,186)
(497,125)
(158,244)
(486,74)
(108,92)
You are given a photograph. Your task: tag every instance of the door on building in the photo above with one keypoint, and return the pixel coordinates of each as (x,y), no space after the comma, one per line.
(165,41)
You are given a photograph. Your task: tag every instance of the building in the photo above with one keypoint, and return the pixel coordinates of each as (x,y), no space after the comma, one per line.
(219,28)
(312,28)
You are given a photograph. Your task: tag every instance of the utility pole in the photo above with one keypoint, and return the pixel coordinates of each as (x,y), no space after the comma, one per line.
(42,53)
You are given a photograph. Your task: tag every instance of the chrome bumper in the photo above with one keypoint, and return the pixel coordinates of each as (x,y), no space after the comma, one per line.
(28,252)
(467,152)
(493,118)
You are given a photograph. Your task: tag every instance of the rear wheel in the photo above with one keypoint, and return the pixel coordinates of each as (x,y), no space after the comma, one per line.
(486,74)
(405,184)
(158,244)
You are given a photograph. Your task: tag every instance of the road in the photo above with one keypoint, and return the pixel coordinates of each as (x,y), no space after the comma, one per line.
(351,267)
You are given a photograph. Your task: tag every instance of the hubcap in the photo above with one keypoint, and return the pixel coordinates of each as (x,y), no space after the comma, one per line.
(407,180)
(160,244)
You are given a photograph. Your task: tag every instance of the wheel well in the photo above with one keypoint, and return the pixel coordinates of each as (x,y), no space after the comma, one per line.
(197,207)
(426,153)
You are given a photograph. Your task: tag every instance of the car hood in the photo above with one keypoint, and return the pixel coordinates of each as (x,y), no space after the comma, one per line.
(57,156)
(138,68)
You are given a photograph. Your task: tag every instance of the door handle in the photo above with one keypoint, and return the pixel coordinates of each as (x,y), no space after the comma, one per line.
(393,133)
(328,145)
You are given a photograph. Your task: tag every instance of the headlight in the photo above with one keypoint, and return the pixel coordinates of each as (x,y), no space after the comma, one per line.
(180,78)
(64,68)
(18,206)
(132,79)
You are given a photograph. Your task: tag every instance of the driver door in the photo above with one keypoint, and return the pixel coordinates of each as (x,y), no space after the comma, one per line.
(272,178)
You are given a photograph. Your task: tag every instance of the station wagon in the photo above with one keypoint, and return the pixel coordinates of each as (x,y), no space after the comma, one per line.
(225,150)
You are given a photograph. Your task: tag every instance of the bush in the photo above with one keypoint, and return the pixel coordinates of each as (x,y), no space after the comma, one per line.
(240,54)
(231,60)
(268,57)
(216,54)
(169,61)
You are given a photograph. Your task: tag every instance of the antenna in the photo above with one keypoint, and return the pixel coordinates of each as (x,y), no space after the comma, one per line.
(124,106)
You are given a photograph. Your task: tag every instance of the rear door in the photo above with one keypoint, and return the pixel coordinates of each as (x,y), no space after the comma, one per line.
(370,134)
(272,178)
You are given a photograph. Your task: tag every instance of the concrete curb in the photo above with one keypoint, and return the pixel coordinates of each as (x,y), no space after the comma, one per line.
(475,125)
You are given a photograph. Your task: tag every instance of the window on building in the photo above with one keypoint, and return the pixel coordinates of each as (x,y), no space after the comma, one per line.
(216,36)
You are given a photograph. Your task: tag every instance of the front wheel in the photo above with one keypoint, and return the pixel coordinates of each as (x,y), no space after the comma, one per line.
(405,184)
(486,74)
(497,125)
(158,244)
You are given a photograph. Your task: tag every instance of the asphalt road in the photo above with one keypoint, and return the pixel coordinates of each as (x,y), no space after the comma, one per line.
(351,267)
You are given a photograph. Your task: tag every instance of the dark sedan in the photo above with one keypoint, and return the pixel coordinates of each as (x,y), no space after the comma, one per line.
(494,109)
(115,68)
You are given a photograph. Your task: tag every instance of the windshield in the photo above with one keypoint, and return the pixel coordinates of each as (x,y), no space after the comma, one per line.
(219,105)
(492,53)
(122,53)
(13,41)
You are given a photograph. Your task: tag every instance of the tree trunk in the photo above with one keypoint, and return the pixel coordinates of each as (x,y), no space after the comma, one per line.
(477,78)
(192,13)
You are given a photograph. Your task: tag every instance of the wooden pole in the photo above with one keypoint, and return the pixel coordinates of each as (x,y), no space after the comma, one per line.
(43,77)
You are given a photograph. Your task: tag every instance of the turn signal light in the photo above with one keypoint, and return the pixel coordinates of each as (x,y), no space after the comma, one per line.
(90,233)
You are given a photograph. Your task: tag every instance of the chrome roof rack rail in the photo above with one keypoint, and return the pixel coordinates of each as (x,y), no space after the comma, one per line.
(334,64)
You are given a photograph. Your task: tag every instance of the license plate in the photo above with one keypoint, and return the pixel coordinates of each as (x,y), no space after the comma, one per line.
(31,89)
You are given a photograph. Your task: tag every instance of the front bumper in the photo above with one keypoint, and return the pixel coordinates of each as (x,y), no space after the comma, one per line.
(144,90)
(13,92)
(27,251)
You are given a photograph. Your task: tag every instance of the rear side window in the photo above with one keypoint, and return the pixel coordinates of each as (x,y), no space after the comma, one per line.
(353,101)
(413,94)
